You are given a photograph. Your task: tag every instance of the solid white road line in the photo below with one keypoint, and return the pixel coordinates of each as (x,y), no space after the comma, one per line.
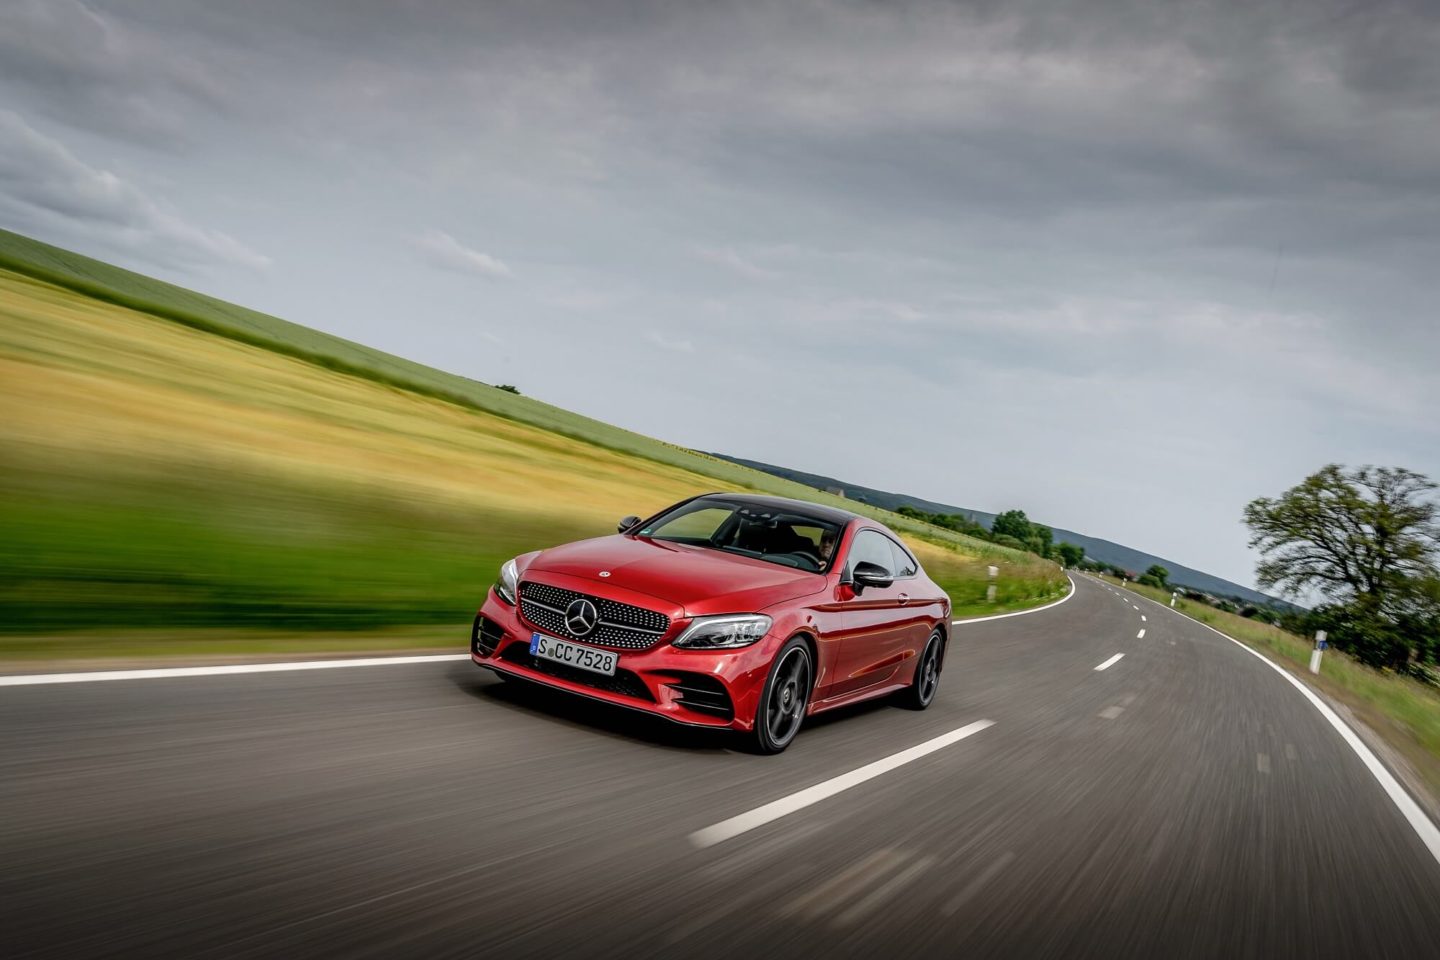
(164,673)
(1020,613)
(1140,635)
(1423,826)
(726,829)
(1111,662)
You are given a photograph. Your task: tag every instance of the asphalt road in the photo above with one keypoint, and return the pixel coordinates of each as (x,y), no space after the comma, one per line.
(1184,801)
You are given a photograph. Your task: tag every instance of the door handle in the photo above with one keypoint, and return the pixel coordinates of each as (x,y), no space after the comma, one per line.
(904,599)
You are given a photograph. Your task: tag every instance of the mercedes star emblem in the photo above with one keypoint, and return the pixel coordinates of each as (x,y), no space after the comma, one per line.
(581,617)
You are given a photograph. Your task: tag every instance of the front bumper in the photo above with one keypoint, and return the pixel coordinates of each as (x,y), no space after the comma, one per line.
(702,688)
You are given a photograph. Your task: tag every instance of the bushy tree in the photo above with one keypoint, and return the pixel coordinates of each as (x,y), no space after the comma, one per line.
(1012,523)
(1159,574)
(1366,540)
(1072,555)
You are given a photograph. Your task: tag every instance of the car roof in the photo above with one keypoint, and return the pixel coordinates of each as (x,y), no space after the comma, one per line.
(803,507)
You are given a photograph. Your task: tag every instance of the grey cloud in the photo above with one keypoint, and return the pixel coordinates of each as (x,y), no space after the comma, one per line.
(87,69)
(1181,251)
(742,266)
(41,181)
(440,249)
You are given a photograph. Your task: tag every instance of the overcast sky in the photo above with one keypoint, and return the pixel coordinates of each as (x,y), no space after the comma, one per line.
(1125,265)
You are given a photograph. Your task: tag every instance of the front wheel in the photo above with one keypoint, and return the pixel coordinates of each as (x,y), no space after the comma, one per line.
(927,675)
(784,697)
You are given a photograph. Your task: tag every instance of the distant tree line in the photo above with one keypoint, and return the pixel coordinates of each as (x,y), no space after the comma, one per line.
(1010,529)
(1014,529)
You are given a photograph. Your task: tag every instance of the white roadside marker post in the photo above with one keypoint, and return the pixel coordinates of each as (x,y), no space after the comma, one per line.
(1173,595)
(990,590)
(1319,649)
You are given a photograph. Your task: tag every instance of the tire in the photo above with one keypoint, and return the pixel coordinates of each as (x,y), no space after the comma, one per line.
(921,693)
(784,698)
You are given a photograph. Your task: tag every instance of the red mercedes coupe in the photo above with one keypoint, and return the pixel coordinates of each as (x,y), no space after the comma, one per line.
(726,610)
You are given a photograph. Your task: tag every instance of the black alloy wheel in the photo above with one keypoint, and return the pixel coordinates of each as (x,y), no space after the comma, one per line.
(783,701)
(927,675)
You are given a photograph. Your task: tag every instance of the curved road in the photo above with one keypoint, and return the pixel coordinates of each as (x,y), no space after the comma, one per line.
(1183,801)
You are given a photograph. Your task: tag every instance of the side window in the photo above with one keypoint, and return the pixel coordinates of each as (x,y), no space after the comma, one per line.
(872,547)
(905,565)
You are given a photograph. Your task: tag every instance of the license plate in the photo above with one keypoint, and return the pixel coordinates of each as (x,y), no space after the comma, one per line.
(573,654)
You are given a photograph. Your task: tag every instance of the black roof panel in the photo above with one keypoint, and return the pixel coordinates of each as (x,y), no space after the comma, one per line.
(802,507)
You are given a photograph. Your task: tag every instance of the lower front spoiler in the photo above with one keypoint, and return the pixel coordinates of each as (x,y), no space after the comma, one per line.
(495,665)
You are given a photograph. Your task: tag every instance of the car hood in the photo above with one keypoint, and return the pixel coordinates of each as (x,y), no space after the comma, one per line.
(698,580)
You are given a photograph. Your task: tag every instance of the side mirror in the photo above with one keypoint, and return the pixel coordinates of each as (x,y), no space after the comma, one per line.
(627,523)
(867,574)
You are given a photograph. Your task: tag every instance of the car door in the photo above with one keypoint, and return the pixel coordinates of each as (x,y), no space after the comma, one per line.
(919,604)
(874,642)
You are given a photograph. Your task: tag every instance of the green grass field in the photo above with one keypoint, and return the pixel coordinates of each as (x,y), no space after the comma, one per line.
(167,489)
(1403,711)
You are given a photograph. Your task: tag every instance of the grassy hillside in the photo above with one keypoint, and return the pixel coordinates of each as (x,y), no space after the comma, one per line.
(115,286)
(155,475)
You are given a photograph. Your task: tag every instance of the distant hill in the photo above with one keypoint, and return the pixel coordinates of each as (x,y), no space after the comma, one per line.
(1105,551)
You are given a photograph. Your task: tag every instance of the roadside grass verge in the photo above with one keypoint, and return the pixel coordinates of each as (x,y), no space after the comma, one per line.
(157,478)
(1405,712)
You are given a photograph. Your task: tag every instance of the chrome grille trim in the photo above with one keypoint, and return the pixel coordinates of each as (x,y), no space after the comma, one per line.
(602,623)
(621,625)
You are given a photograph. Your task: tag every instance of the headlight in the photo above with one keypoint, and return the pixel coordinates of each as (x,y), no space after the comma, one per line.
(724,632)
(505,586)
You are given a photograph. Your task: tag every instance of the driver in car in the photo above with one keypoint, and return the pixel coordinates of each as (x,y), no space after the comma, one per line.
(827,545)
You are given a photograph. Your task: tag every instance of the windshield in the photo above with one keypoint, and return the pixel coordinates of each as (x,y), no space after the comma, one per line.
(765,533)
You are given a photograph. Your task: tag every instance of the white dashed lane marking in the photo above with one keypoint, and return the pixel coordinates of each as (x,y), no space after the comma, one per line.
(1111,662)
(725,829)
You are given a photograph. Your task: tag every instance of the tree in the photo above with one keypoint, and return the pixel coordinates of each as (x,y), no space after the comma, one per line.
(1071,554)
(1011,523)
(1040,539)
(1365,540)
(1159,574)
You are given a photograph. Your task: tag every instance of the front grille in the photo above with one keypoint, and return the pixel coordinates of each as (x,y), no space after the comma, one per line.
(624,682)
(703,693)
(621,625)
(485,636)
